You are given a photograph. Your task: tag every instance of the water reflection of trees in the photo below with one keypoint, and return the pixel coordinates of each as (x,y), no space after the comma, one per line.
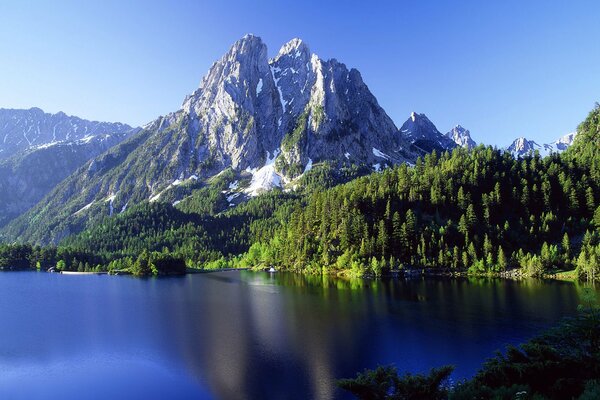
(260,335)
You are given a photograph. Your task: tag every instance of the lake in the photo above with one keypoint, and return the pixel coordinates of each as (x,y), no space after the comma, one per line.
(247,335)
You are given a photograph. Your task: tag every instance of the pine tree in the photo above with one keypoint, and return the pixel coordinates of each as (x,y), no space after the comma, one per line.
(471,217)
(396,229)
(566,246)
(502,263)
(589,200)
(382,238)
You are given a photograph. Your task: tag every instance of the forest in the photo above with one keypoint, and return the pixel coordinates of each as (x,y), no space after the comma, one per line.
(476,212)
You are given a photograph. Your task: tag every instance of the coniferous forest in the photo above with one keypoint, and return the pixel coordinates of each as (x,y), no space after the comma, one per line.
(477,211)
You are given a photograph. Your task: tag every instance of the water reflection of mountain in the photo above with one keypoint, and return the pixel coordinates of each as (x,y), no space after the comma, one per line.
(248,335)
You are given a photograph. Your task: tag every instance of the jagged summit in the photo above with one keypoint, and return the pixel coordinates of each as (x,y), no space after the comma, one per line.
(295,98)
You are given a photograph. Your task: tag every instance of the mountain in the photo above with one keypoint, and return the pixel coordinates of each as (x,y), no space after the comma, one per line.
(424,136)
(521,146)
(461,137)
(564,142)
(267,120)
(292,111)
(28,176)
(23,129)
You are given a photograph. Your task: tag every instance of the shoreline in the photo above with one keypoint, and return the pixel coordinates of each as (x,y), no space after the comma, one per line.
(82,273)
(515,274)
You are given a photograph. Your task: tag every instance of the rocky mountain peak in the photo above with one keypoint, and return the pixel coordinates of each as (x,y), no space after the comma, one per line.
(565,141)
(424,135)
(461,137)
(522,146)
(295,48)
(418,126)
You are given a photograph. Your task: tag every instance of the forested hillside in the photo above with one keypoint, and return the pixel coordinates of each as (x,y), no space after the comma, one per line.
(479,211)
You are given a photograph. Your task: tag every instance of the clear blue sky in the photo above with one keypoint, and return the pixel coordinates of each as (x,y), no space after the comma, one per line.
(500,68)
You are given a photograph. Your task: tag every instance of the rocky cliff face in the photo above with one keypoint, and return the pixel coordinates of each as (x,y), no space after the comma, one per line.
(23,129)
(249,108)
(267,119)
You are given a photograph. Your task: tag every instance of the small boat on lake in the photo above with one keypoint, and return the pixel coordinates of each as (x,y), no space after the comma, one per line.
(271,270)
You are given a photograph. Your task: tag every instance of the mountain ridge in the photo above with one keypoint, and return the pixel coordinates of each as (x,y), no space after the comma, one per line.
(21,129)
(523,146)
(267,119)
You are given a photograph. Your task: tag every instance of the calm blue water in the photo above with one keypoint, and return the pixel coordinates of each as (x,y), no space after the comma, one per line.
(244,335)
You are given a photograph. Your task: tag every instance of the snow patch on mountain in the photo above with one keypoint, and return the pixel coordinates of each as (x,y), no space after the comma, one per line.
(308,166)
(276,80)
(82,209)
(265,178)
(380,154)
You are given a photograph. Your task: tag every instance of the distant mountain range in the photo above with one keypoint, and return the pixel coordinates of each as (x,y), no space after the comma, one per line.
(40,150)
(24,129)
(269,121)
(521,147)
